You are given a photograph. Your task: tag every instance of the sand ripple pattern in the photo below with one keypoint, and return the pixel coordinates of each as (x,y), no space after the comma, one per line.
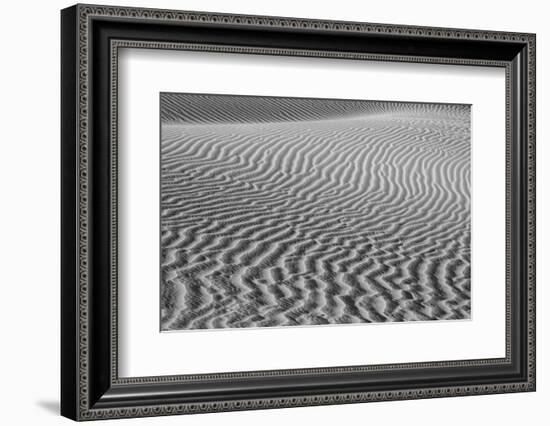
(289,211)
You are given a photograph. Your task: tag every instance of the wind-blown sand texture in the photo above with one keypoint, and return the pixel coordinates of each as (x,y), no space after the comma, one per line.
(291,211)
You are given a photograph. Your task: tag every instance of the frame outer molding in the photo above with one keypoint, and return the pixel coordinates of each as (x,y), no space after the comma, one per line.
(76,402)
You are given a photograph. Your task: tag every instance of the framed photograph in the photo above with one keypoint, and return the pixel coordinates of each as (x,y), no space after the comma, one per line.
(263,212)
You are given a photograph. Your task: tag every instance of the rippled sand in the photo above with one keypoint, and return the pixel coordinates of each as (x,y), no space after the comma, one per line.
(288,211)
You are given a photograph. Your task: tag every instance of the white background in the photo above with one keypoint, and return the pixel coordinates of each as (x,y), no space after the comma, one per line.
(193,352)
(29,225)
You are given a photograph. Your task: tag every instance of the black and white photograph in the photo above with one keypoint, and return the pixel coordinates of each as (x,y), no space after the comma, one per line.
(275,212)
(288,211)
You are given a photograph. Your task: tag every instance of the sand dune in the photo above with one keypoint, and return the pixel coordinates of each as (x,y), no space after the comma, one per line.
(288,211)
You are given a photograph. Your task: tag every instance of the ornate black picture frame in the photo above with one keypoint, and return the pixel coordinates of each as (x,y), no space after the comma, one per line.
(90,38)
